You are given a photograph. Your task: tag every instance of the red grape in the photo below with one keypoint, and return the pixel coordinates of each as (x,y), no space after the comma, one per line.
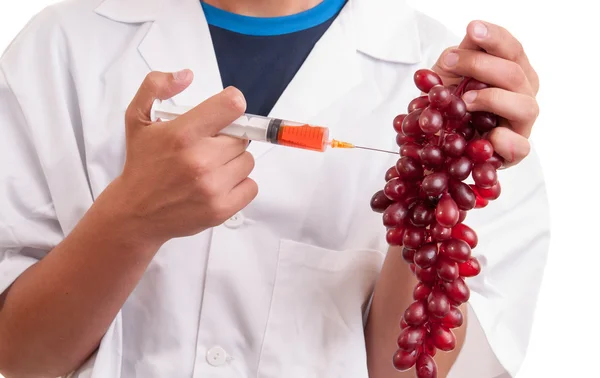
(439,96)
(469,268)
(484,175)
(467,131)
(456,109)
(435,184)
(391,173)
(460,168)
(457,250)
(414,237)
(418,103)
(492,193)
(410,125)
(394,236)
(431,120)
(426,276)
(480,150)
(474,85)
(402,139)
(404,360)
(380,202)
(421,215)
(424,203)
(395,215)
(408,255)
(411,337)
(496,161)
(415,314)
(454,319)
(426,79)
(447,270)
(403,323)
(483,121)
(438,304)
(395,189)
(429,348)
(426,367)
(462,194)
(432,156)
(409,168)
(440,233)
(446,212)
(426,256)
(398,122)
(457,290)
(442,337)
(412,150)
(454,145)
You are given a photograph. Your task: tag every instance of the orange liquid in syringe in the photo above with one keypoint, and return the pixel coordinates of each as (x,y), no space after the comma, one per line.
(305,137)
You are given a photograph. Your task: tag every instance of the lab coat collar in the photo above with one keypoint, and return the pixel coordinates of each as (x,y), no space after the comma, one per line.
(178,37)
(383,29)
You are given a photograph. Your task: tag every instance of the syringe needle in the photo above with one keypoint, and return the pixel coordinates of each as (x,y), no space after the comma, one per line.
(376,149)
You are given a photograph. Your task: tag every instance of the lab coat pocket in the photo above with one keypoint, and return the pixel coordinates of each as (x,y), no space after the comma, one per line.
(315,326)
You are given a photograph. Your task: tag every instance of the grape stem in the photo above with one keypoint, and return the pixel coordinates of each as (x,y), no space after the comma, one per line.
(459,90)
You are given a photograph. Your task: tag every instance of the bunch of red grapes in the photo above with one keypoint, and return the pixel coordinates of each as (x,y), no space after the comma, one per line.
(424,203)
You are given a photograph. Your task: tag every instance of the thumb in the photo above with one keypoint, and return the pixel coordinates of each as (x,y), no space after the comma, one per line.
(156,85)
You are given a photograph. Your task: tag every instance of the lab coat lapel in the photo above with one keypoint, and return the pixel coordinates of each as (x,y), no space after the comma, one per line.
(178,37)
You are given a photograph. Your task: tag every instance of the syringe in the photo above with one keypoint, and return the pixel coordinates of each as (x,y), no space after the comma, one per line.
(266,129)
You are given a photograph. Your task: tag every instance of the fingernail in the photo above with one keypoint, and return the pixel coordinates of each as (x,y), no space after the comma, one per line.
(470,97)
(182,75)
(480,30)
(451,59)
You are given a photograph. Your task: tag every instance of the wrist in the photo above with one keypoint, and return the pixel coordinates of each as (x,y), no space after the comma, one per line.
(112,217)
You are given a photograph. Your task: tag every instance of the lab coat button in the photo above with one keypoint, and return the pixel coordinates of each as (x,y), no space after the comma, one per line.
(235,221)
(216,356)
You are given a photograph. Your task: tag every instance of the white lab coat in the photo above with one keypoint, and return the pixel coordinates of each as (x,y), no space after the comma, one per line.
(279,290)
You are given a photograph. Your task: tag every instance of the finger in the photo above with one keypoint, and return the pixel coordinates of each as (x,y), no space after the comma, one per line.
(498,41)
(156,85)
(224,148)
(448,78)
(510,145)
(234,172)
(241,195)
(214,114)
(489,69)
(519,109)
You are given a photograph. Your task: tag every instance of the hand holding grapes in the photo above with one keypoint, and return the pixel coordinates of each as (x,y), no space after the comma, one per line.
(474,116)
(491,55)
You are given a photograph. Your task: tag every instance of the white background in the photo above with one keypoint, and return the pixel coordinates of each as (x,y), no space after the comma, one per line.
(561,41)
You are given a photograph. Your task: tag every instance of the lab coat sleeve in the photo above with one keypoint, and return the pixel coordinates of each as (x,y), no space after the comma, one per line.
(28,224)
(514,235)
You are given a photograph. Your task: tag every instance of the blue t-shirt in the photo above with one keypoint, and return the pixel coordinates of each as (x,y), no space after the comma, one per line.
(260,56)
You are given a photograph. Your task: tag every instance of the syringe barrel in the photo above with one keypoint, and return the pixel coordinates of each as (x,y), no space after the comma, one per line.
(248,126)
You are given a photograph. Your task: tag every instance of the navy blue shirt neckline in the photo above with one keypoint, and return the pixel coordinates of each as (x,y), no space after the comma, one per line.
(260,56)
(271,26)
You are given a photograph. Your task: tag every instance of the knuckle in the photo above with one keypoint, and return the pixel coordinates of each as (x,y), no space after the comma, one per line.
(476,63)
(533,110)
(516,75)
(198,166)
(152,81)
(208,188)
(249,159)
(182,138)
(518,50)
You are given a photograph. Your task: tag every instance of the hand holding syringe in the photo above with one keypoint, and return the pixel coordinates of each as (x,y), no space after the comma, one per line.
(265,129)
